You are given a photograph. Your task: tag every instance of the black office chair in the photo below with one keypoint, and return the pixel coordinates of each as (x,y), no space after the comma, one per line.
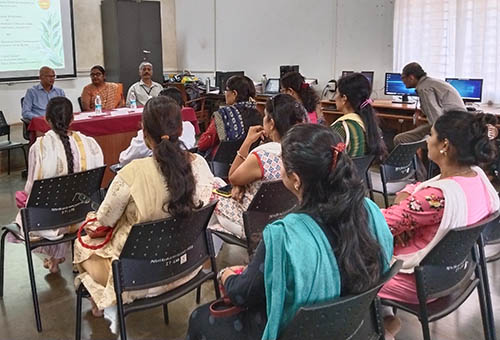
(363,164)
(399,169)
(223,158)
(157,253)
(491,236)
(8,144)
(53,203)
(80,104)
(450,273)
(271,201)
(353,317)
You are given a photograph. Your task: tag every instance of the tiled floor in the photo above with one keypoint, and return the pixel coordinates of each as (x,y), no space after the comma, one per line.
(57,299)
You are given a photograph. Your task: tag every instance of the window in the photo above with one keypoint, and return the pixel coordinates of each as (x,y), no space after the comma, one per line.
(450,38)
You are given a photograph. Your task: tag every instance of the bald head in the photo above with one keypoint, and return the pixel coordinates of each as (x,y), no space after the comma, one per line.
(47,77)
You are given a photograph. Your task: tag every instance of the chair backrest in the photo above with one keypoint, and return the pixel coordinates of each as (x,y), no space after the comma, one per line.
(400,162)
(162,251)
(363,164)
(4,126)
(491,232)
(350,317)
(227,151)
(271,202)
(450,262)
(80,103)
(60,201)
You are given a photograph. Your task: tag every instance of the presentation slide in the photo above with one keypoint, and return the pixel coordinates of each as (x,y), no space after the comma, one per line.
(35,33)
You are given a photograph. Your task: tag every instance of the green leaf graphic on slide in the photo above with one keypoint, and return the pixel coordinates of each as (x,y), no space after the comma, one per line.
(51,43)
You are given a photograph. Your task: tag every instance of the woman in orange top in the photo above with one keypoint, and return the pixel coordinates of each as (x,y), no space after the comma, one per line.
(111,94)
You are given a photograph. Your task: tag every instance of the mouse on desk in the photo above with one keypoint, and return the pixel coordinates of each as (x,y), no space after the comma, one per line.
(471,108)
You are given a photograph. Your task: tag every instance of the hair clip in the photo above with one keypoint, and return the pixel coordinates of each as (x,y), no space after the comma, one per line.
(365,103)
(304,85)
(167,137)
(340,147)
(492,131)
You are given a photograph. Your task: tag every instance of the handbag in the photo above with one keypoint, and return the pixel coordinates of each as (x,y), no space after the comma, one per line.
(99,232)
(223,307)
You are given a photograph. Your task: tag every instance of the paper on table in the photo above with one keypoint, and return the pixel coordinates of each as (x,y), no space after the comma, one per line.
(80,116)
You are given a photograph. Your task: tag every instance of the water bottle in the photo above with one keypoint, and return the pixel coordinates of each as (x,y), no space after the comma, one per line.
(264,83)
(133,103)
(98,105)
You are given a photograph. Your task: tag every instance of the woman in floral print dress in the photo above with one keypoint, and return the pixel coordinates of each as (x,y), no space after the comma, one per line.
(461,195)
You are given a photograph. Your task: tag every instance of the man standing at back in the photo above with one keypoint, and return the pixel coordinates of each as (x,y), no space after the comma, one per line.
(146,87)
(36,98)
(436,97)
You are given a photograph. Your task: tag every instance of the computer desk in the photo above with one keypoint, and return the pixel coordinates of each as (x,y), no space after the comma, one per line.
(398,117)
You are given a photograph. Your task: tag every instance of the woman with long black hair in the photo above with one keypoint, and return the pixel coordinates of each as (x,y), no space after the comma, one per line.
(336,242)
(359,125)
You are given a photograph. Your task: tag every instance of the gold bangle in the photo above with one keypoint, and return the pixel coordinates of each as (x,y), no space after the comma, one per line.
(240,155)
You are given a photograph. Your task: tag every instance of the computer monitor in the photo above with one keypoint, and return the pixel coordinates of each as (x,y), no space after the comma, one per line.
(369,75)
(470,90)
(284,69)
(394,86)
(222,77)
(272,86)
(346,73)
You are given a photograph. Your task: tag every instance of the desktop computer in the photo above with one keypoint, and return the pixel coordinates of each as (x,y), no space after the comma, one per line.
(284,69)
(470,90)
(222,77)
(394,86)
(368,75)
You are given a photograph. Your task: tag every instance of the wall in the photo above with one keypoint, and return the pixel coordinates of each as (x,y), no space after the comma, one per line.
(323,36)
(89,52)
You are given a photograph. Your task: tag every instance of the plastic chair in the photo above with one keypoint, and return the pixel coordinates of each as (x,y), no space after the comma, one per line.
(449,273)
(353,317)
(491,235)
(363,164)
(223,158)
(398,170)
(53,203)
(8,144)
(271,202)
(157,253)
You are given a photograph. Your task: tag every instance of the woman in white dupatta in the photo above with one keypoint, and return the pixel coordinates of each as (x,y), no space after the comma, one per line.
(58,152)
(461,195)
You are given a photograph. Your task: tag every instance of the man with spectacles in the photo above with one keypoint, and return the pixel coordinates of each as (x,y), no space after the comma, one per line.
(146,87)
(36,98)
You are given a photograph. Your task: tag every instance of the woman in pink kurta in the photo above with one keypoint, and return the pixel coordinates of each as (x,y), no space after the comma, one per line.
(461,195)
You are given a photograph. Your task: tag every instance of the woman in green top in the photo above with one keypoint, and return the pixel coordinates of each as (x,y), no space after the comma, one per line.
(335,243)
(359,125)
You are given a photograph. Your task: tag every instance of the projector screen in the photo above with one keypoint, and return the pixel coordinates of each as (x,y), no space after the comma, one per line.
(36,33)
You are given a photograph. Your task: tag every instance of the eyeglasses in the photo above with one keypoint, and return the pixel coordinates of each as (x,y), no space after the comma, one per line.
(96,74)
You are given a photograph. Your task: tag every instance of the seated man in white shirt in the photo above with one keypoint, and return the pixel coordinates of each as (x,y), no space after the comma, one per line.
(146,87)
(138,148)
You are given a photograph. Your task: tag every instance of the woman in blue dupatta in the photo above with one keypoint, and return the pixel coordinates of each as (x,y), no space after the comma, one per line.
(335,243)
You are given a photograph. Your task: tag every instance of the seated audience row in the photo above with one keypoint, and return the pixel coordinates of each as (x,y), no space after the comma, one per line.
(335,242)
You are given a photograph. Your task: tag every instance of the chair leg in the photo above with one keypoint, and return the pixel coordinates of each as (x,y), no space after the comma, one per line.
(25,157)
(486,291)
(216,288)
(8,162)
(165,314)
(198,294)
(2,258)
(121,319)
(78,328)
(33,287)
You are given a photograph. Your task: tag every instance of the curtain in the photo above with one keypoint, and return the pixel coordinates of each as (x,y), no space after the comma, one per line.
(450,38)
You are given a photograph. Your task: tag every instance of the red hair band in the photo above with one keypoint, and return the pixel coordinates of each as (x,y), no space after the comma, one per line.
(340,147)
